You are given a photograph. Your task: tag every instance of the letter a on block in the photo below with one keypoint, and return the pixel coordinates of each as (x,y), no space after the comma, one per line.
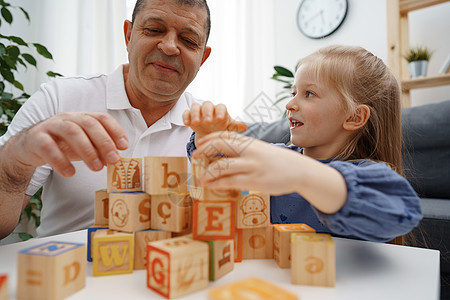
(313,259)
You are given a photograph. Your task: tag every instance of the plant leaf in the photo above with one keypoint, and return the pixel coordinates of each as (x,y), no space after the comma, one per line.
(54,74)
(283,71)
(29,58)
(7,74)
(18,85)
(13,51)
(6,14)
(25,13)
(43,51)
(25,236)
(17,40)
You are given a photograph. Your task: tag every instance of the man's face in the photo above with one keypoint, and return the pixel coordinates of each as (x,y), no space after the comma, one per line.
(166,47)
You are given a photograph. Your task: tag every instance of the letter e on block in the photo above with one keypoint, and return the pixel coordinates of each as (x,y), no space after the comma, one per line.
(213,220)
(53,270)
(313,259)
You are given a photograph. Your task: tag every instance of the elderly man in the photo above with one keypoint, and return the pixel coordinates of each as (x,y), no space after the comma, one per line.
(74,126)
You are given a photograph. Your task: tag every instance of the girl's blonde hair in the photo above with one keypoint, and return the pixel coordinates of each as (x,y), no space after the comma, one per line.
(359,77)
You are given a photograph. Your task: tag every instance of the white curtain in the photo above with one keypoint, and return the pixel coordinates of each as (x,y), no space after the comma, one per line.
(86,37)
(243,55)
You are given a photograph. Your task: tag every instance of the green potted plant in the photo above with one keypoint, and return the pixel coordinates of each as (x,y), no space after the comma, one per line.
(16,57)
(417,59)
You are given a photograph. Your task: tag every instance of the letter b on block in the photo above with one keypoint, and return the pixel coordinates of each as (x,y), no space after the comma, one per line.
(165,174)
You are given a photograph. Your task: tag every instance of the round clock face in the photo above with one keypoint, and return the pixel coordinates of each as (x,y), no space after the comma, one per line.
(320,18)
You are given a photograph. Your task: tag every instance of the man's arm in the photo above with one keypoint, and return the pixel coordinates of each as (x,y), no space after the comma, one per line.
(93,138)
(14,179)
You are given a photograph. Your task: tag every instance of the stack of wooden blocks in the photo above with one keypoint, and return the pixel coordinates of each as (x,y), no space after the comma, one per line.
(147,218)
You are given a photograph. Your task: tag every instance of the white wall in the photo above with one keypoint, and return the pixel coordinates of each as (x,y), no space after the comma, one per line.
(365,25)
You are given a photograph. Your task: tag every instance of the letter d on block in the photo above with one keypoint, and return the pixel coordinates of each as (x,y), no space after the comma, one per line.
(72,269)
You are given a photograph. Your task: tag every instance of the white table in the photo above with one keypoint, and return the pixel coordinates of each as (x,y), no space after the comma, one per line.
(364,270)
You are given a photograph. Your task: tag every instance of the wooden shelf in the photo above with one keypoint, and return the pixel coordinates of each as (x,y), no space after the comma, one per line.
(424,82)
(398,43)
(410,5)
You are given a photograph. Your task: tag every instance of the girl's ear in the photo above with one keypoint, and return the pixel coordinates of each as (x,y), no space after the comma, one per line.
(357,119)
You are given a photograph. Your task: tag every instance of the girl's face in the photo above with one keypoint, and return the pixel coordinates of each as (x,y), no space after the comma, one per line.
(316,116)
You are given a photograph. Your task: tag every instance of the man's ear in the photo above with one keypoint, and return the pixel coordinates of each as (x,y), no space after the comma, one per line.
(206,54)
(358,119)
(127,27)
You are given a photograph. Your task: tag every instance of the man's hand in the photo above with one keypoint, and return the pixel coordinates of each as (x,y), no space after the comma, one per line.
(91,137)
(208,118)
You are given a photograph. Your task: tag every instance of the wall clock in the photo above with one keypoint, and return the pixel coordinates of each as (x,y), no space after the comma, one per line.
(320,18)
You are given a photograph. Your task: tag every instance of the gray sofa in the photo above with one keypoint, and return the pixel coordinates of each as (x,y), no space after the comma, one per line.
(426,158)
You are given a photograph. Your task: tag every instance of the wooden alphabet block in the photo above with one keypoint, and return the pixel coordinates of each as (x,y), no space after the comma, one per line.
(53,270)
(177,266)
(257,242)
(113,252)
(90,233)
(251,288)
(101,207)
(213,220)
(282,241)
(172,212)
(313,259)
(238,245)
(4,287)
(129,212)
(141,239)
(165,174)
(253,210)
(199,192)
(221,258)
(125,175)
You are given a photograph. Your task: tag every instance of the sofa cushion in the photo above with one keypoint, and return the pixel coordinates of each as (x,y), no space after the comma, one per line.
(426,152)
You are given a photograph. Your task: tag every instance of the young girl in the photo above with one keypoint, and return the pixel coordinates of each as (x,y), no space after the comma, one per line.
(342,175)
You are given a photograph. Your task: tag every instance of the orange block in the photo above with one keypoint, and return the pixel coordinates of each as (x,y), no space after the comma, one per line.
(141,239)
(213,220)
(4,287)
(282,241)
(313,259)
(177,266)
(251,288)
(238,245)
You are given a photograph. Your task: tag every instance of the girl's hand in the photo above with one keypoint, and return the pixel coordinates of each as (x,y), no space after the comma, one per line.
(251,164)
(207,118)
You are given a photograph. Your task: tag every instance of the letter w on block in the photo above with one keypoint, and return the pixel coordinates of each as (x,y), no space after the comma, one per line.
(213,220)
(113,252)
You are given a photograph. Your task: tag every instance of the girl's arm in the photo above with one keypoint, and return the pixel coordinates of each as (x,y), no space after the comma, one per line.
(256,165)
